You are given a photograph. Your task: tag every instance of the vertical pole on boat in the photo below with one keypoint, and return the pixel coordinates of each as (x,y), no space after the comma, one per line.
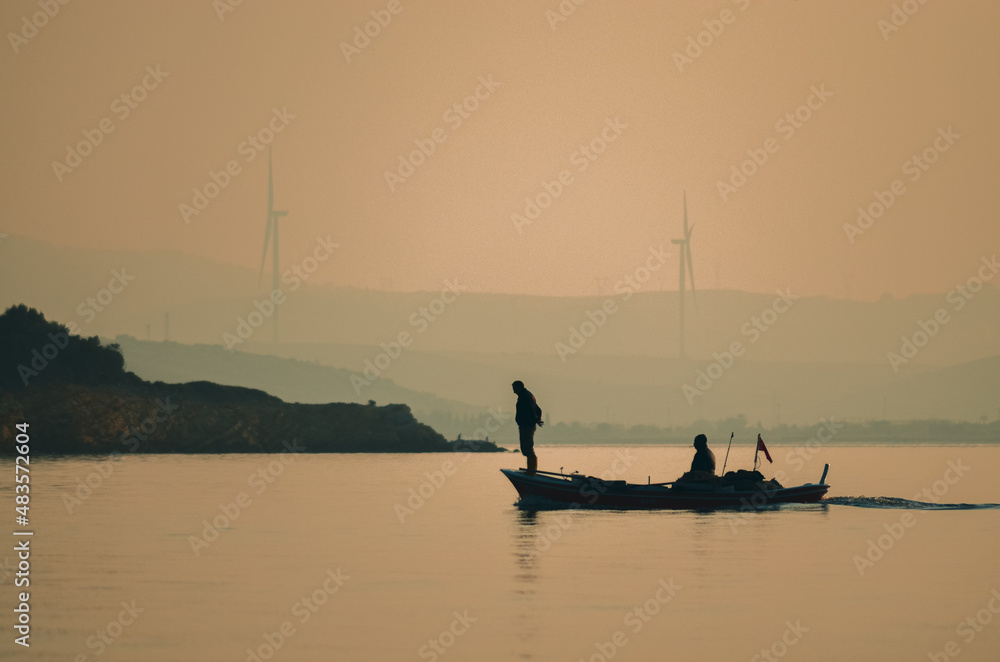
(756,450)
(727,453)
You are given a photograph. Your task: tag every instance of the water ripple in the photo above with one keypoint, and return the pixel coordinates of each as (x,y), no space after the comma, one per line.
(897,503)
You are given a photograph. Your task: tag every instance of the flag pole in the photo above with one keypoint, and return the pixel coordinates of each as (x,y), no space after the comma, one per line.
(727,453)
(755,451)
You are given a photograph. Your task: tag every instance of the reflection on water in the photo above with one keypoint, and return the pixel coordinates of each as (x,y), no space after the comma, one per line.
(526,555)
(527,547)
(526,543)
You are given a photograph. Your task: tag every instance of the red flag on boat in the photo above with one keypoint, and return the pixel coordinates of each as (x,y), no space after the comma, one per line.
(762,447)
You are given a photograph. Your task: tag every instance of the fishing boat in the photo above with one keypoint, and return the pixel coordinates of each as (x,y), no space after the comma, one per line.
(578,490)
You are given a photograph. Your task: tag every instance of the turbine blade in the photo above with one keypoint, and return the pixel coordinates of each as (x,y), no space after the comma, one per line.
(270,215)
(690,265)
(267,241)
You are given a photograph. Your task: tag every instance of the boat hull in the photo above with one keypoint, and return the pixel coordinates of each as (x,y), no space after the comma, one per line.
(591,492)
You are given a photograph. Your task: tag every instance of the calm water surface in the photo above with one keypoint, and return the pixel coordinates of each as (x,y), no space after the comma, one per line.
(466,575)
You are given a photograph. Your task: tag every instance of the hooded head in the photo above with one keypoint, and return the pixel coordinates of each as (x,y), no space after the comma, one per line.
(701,441)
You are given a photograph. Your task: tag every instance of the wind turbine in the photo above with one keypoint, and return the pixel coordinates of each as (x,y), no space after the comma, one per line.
(685,258)
(272,229)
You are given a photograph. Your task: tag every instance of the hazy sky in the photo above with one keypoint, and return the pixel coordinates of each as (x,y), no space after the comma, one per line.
(878,97)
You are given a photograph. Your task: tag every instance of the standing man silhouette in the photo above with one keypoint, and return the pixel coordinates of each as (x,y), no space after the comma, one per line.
(528,415)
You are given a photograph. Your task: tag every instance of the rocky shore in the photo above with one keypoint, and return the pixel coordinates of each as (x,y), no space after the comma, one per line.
(202,417)
(77,398)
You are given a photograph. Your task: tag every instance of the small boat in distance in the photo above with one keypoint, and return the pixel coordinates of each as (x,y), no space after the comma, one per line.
(578,490)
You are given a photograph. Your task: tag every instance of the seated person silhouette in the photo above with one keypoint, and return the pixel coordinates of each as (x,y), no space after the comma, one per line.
(704,458)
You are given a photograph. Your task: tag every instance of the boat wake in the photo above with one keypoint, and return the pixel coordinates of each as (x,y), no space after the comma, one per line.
(905,504)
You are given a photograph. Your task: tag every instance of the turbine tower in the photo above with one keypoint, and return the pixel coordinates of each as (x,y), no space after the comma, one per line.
(271,236)
(685,260)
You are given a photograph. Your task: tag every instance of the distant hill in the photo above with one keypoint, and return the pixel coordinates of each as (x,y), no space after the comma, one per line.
(969,392)
(77,397)
(631,389)
(648,390)
(292,380)
(821,357)
(205,300)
